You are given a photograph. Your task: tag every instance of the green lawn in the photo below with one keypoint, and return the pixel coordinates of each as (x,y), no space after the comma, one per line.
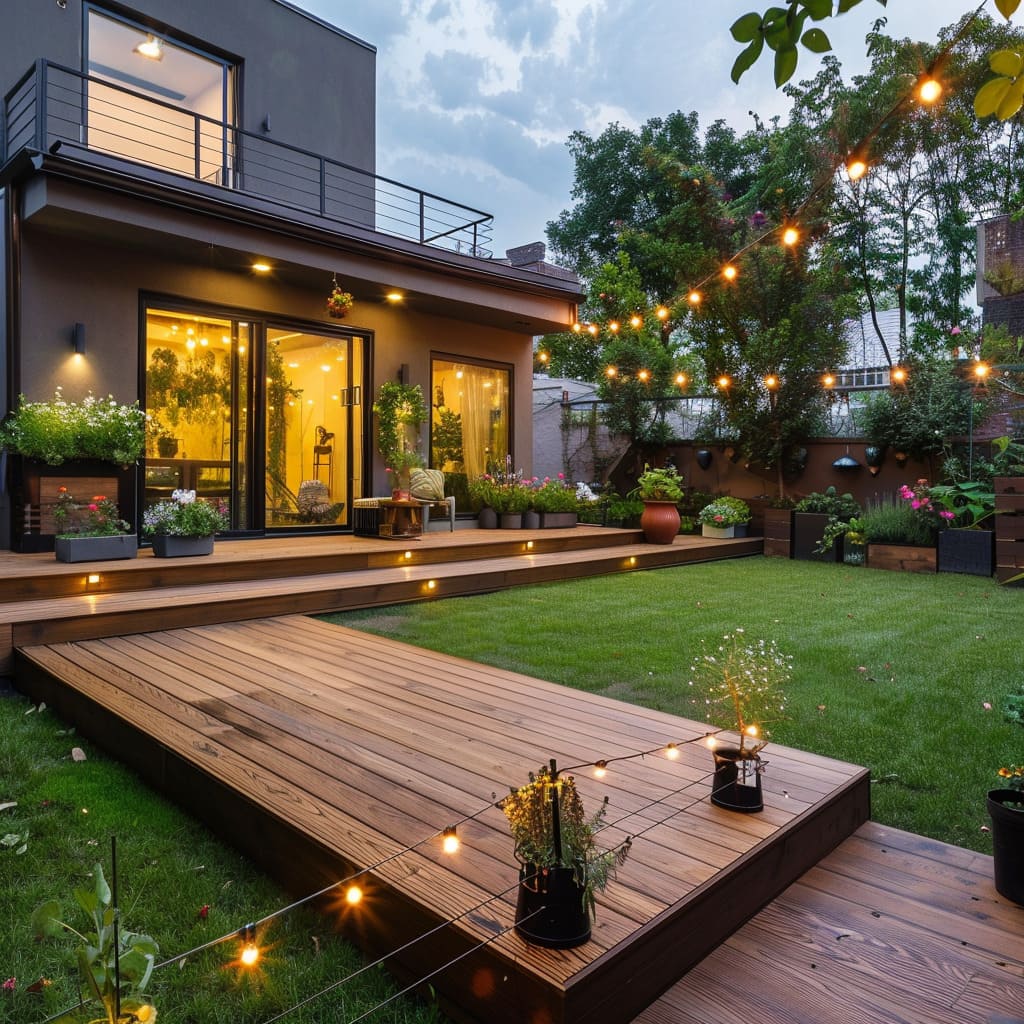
(170,867)
(891,670)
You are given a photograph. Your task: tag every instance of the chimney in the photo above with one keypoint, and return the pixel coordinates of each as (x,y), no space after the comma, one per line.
(526,255)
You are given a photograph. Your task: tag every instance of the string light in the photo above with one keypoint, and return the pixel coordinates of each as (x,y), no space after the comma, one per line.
(723,382)
(729,272)
(661,313)
(250,953)
(856,168)
(694,297)
(899,375)
(635,321)
(543,357)
(614,327)
(828,381)
(576,328)
(600,769)
(790,236)
(929,89)
(771,382)
(682,379)
(353,895)
(610,371)
(450,840)
(592,329)
(643,375)
(672,752)
(981,370)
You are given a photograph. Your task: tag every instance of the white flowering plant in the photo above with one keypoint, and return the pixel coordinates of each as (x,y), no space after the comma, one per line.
(59,431)
(739,685)
(185,515)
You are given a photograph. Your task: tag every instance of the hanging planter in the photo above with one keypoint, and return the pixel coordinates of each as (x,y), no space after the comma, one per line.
(339,302)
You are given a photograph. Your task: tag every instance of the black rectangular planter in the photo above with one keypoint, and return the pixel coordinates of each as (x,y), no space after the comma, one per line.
(808,529)
(967,551)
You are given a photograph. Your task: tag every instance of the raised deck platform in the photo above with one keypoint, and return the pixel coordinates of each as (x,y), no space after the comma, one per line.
(321,751)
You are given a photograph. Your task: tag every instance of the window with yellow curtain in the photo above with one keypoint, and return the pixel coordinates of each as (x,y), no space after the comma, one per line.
(470,416)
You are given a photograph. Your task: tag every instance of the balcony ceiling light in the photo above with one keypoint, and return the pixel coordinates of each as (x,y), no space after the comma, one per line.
(152,48)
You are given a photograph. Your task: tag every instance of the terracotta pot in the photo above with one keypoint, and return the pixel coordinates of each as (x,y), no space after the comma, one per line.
(660,522)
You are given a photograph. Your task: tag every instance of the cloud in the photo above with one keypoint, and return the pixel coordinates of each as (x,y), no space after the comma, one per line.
(517,21)
(455,78)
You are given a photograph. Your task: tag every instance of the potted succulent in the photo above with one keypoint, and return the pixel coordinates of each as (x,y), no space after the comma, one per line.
(739,684)
(724,516)
(561,866)
(184,525)
(115,964)
(660,490)
(93,530)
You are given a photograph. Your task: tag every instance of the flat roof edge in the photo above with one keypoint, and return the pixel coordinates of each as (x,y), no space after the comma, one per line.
(325,24)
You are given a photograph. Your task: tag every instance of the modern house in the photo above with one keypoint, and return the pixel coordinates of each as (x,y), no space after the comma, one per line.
(183,184)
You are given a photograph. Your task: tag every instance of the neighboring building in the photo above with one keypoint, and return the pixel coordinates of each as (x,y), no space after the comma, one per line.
(153,157)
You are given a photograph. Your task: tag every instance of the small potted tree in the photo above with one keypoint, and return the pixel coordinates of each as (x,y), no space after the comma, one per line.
(561,866)
(739,684)
(660,490)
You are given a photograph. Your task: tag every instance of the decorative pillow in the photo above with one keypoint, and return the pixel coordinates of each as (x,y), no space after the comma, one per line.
(427,484)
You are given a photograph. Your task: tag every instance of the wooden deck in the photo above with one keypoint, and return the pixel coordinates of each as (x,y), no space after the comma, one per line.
(322,750)
(42,600)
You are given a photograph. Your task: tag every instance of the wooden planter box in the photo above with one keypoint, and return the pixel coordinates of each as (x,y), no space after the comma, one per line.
(808,529)
(901,557)
(1009,492)
(34,489)
(967,551)
(778,532)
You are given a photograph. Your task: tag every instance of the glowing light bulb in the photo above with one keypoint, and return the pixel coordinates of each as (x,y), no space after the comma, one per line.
(631,560)
(543,357)
(261,268)
(672,752)
(610,371)
(981,370)
(729,272)
(592,329)
(681,379)
(661,313)
(450,841)
(600,769)
(856,169)
(190,344)
(394,296)
(614,327)
(929,90)
(723,382)
(644,375)
(635,321)
(576,328)
(711,742)
(899,375)
(431,584)
(694,298)
(751,730)
(790,236)
(353,895)
(529,545)
(250,954)
(771,382)
(407,555)
(828,380)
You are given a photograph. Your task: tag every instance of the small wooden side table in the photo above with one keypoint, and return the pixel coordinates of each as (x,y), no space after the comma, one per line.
(400,520)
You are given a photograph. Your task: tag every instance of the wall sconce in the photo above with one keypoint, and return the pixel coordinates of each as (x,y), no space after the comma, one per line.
(78,338)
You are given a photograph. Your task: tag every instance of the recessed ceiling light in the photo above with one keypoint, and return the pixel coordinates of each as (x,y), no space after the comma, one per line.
(394,296)
(261,268)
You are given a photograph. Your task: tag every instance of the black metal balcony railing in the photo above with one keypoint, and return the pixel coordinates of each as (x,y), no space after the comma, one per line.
(52,104)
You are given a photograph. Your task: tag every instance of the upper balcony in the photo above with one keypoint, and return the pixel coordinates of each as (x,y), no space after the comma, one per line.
(54,108)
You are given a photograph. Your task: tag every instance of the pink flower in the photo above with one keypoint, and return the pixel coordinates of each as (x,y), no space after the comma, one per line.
(561,476)
(8,985)
(94,508)
(986,705)
(915,504)
(956,330)
(718,519)
(947,515)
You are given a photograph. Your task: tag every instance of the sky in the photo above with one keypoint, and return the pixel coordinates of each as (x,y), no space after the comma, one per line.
(476,98)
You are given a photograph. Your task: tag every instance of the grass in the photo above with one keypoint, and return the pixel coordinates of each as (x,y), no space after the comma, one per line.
(169,867)
(891,670)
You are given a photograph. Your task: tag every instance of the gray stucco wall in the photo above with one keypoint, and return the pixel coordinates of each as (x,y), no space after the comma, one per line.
(316,85)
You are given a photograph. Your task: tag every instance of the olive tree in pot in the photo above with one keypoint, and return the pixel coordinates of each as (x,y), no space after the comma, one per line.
(739,683)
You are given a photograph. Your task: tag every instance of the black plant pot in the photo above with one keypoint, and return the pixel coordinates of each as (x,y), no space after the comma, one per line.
(737,781)
(550,910)
(967,551)
(1007,843)
(808,530)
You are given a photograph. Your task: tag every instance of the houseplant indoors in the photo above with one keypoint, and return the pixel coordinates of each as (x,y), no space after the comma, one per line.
(401,411)
(660,490)
(738,683)
(93,530)
(184,525)
(561,866)
(724,516)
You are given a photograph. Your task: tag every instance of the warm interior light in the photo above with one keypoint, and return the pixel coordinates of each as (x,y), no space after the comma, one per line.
(856,169)
(635,321)
(450,840)
(394,296)
(790,236)
(729,272)
(828,380)
(694,298)
(600,769)
(723,382)
(929,90)
(681,379)
(261,267)
(672,752)
(661,312)
(250,954)
(353,895)
(151,48)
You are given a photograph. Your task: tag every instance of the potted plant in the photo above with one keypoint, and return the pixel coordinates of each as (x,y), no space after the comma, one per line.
(401,411)
(812,515)
(723,516)
(739,683)
(93,530)
(97,441)
(400,466)
(555,499)
(482,495)
(1006,809)
(184,525)
(339,302)
(561,866)
(966,546)
(115,964)
(660,490)
(901,532)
